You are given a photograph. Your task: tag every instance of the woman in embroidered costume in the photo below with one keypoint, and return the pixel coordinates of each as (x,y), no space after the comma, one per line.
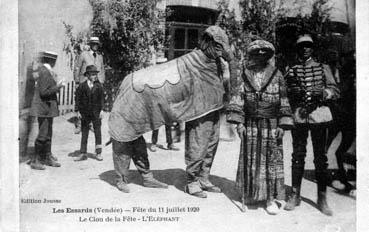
(260,108)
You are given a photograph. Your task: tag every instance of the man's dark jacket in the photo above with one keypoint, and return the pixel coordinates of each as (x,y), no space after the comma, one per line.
(45,101)
(89,102)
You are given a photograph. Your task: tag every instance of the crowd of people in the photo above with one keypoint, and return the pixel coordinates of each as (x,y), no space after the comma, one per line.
(263,102)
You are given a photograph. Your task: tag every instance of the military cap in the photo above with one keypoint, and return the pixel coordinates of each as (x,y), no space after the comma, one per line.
(304,39)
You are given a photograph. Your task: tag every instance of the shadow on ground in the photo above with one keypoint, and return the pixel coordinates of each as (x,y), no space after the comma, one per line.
(77,153)
(177,178)
(332,175)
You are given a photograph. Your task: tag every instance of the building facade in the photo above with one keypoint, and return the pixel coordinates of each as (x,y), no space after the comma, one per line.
(189,18)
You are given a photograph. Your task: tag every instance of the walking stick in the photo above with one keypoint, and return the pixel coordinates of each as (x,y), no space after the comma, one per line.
(108,142)
(243,209)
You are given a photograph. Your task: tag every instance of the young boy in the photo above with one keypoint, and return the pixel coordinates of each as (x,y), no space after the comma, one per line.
(89,104)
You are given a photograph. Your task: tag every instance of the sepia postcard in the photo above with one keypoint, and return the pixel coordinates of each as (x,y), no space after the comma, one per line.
(184,115)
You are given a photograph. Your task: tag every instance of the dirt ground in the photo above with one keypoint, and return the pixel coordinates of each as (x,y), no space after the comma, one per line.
(89,185)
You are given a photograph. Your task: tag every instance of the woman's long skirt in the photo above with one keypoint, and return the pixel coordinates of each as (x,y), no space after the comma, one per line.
(260,168)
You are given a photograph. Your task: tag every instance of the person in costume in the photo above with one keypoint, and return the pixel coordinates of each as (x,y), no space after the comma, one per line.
(168,128)
(181,90)
(261,110)
(202,133)
(310,85)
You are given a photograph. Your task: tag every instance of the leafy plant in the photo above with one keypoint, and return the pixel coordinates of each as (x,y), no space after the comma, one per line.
(130,31)
(269,20)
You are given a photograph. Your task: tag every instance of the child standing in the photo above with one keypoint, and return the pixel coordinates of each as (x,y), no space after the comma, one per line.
(89,104)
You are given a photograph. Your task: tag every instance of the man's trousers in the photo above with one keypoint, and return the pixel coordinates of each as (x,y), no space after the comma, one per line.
(201,143)
(44,137)
(299,141)
(168,135)
(122,154)
(85,123)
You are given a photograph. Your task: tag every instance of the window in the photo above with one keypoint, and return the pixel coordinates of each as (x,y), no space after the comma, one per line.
(184,28)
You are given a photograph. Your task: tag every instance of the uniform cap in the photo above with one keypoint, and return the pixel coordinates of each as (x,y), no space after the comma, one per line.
(304,38)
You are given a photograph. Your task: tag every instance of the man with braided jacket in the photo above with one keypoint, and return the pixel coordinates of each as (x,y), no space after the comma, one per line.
(310,85)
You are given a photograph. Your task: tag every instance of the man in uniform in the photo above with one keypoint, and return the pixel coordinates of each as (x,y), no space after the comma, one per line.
(45,108)
(310,84)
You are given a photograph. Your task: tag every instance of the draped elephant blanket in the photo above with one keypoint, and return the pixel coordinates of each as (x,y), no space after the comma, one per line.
(180,90)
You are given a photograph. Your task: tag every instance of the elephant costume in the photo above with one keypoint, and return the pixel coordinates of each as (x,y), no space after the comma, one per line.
(181,90)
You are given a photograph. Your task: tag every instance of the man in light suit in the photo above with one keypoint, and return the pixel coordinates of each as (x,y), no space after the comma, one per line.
(91,57)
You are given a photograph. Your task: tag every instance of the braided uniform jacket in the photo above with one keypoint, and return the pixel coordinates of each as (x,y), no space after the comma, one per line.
(306,84)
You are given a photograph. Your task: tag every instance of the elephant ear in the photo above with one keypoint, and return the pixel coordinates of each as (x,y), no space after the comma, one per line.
(219,36)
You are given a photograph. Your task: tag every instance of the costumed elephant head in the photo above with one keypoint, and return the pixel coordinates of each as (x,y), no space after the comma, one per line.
(215,45)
